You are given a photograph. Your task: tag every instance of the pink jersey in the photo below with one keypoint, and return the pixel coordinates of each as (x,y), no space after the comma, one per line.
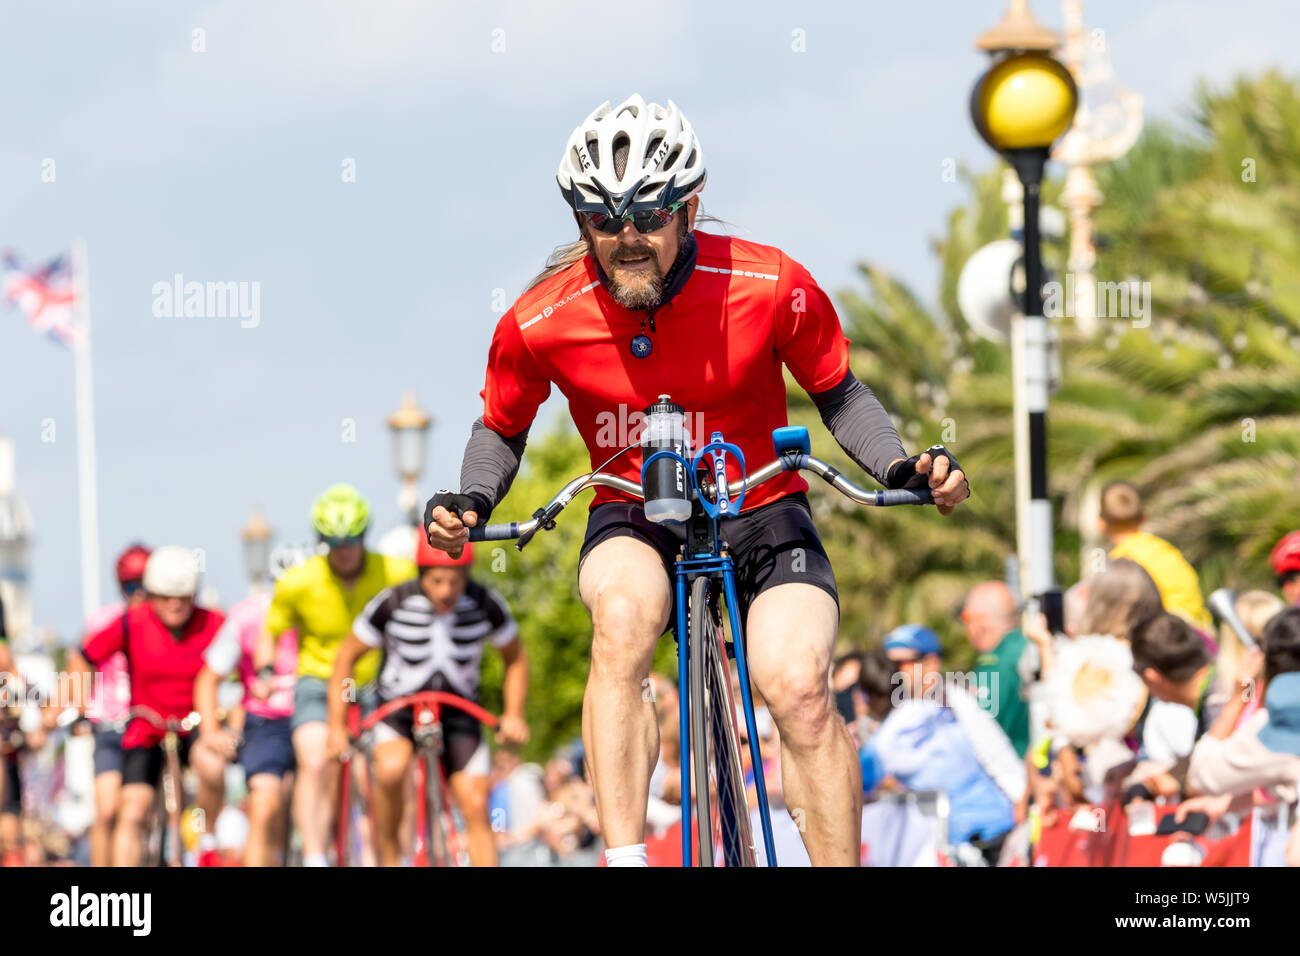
(235,645)
(110,697)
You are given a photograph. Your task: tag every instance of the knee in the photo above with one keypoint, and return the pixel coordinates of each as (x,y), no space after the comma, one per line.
(475,807)
(800,701)
(312,762)
(263,807)
(106,811)
(625,628)
(135,808)
(390,770)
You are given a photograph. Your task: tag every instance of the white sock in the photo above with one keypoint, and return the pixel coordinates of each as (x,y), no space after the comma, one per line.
(315,859)
(633,855)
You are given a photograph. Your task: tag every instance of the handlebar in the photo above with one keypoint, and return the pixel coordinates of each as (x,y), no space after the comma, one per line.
(180,725)
(790,461)
(434,699)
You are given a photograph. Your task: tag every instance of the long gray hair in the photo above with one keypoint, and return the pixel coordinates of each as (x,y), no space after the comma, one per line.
(562,257)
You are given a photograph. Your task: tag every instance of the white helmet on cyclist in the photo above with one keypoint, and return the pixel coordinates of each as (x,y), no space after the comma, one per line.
(632,157)
(172,571)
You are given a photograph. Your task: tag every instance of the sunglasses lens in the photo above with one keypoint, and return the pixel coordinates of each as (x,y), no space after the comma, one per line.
(652,220)
(644,221)
(603,223)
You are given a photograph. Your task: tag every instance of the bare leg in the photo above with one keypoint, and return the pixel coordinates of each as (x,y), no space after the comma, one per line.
(264,815)
(790,635)
(315,788)
(623,584)
(210,767)
(132,819)
(471,793)
(108,794)
(392,766)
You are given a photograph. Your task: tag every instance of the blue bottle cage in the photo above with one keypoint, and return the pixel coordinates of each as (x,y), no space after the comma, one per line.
(719,449)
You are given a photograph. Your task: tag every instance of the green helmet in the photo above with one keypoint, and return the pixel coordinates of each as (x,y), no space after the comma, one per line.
(340,512)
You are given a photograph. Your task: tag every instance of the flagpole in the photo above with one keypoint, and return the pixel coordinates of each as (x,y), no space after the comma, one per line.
(86,487)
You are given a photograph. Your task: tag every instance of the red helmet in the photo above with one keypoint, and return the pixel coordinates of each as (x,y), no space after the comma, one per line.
(131,562)
(1286,554)
(427,556)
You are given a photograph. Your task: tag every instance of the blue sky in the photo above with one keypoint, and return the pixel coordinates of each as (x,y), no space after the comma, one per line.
(225,165)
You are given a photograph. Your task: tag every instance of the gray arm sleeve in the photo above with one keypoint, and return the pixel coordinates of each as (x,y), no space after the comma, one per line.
(490,464)
(861,425)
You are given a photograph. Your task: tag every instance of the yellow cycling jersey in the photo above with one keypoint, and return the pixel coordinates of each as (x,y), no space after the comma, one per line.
(1180,589)
(316,603)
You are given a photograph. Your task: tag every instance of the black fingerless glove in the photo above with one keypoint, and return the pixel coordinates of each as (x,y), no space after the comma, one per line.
(903,474)
(457,504)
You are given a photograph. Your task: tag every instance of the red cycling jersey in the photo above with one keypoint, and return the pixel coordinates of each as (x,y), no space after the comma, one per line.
(162,668)
(717,349)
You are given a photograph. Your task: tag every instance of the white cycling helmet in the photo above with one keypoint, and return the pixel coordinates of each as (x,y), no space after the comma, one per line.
(172,571)
(634,156)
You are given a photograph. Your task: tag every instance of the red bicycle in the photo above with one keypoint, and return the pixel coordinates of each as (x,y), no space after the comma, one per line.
(164,841)
(437,842)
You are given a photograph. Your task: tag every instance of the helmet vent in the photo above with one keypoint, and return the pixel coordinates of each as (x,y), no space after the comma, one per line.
(672,158)
(622,146)
(593,150)
(654,144)
(690,160)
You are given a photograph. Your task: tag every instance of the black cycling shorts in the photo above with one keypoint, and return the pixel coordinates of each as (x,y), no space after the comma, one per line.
(461,735)
(775,543)
(145,764)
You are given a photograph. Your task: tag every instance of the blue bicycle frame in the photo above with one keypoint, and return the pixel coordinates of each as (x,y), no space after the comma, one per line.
(705,554)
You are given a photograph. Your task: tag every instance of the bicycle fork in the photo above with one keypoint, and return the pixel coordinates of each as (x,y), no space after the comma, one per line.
(684,569)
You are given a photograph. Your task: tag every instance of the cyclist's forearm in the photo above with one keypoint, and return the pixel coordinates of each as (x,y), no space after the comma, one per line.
(490,464)
(514,688)
(350,651)
(205,697)
(861,426)
(264,652)
(77,664)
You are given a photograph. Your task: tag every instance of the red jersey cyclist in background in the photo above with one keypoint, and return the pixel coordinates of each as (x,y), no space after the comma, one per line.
(164,638)
(432,632)
(643,304)
(110,700)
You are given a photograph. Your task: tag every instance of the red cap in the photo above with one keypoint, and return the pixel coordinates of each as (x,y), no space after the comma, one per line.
(427,556)
(131,562)
(1286,554)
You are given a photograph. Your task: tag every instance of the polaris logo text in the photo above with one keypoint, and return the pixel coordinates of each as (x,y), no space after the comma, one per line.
(133,910)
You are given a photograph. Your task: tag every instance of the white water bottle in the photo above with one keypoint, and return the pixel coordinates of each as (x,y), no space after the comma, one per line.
(665,484)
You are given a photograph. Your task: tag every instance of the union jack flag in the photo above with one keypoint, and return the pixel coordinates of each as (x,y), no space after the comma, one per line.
(47,296)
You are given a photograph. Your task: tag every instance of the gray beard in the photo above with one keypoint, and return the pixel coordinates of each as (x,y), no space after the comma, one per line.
(641,296)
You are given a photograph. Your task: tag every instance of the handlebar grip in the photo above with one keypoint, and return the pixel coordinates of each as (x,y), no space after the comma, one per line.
(495,532)
(904,496)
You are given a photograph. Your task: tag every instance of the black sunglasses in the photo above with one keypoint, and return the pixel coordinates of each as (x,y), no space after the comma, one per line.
(644,221)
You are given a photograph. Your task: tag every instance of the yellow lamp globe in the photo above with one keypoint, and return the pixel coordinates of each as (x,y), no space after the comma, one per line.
(1024,101)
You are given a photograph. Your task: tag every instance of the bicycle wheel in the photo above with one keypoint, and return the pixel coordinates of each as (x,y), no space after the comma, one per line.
(155,841)
(721,810)
(437,839)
